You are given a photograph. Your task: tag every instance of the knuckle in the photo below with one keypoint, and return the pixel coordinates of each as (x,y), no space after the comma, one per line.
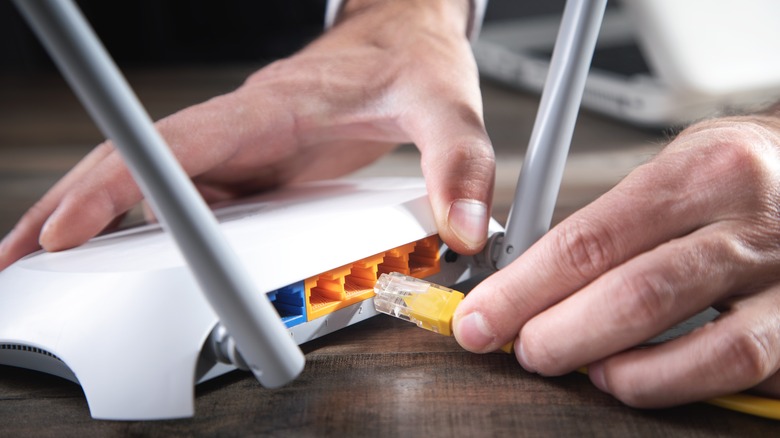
(641,299)
(585,248)
(113,206)
(733,259)
(99,203)
(743,158)
(467,110)
(750,354)
(735,153)
(475,152)
(480,159)
(469,164)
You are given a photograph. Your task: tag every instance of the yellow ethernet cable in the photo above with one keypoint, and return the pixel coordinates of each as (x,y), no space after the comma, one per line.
(431,307)
(428,305)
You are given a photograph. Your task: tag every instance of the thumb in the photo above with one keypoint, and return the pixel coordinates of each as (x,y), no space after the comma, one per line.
(459,168)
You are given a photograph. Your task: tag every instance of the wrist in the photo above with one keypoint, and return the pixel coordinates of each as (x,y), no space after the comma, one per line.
(464,16)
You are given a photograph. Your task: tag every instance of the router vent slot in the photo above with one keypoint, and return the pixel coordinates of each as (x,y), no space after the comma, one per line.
(26,348)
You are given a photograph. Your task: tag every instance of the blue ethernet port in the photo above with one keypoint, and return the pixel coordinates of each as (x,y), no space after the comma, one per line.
(290,302)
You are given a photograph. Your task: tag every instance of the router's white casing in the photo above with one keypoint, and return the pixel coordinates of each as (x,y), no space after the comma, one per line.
(123,317)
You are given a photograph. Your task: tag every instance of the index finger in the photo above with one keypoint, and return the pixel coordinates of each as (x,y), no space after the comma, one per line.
(23,239)
(614,228)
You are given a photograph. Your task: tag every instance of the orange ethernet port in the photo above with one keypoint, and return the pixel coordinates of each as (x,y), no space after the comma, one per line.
(353,283)
(424,260)
(341,287)
(418,259)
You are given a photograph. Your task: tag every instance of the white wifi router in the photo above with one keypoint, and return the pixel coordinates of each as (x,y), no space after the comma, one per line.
(123,317)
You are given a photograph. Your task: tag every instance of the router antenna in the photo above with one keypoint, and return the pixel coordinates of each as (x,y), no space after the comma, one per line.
(264,342)
(540,177)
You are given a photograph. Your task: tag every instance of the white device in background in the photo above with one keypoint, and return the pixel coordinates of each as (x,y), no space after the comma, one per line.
(658,63)
(124,316)
(711,47)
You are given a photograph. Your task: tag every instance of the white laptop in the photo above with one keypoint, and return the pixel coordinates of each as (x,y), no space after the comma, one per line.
(659,63)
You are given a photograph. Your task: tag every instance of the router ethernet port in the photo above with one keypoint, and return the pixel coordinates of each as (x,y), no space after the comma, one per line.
(342,287)
(424,260)
(290,303)
(397,260)
(353,283)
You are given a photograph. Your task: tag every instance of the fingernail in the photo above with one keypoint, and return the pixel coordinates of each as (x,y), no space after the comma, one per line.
(473,332)
(523,359)
(46,230)
(596,374)
(468,219)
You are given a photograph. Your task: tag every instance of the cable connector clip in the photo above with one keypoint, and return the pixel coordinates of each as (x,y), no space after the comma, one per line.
(428,305)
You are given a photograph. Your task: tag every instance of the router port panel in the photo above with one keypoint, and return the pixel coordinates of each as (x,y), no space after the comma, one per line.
(353,283)
(341,287)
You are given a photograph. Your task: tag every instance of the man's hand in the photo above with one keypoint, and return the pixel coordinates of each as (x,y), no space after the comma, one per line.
(697,226)
(388,72)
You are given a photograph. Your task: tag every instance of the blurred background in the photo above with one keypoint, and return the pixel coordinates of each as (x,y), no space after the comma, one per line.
(198,32)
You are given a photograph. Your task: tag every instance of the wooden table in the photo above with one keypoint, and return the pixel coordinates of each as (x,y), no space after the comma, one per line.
(380,377)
